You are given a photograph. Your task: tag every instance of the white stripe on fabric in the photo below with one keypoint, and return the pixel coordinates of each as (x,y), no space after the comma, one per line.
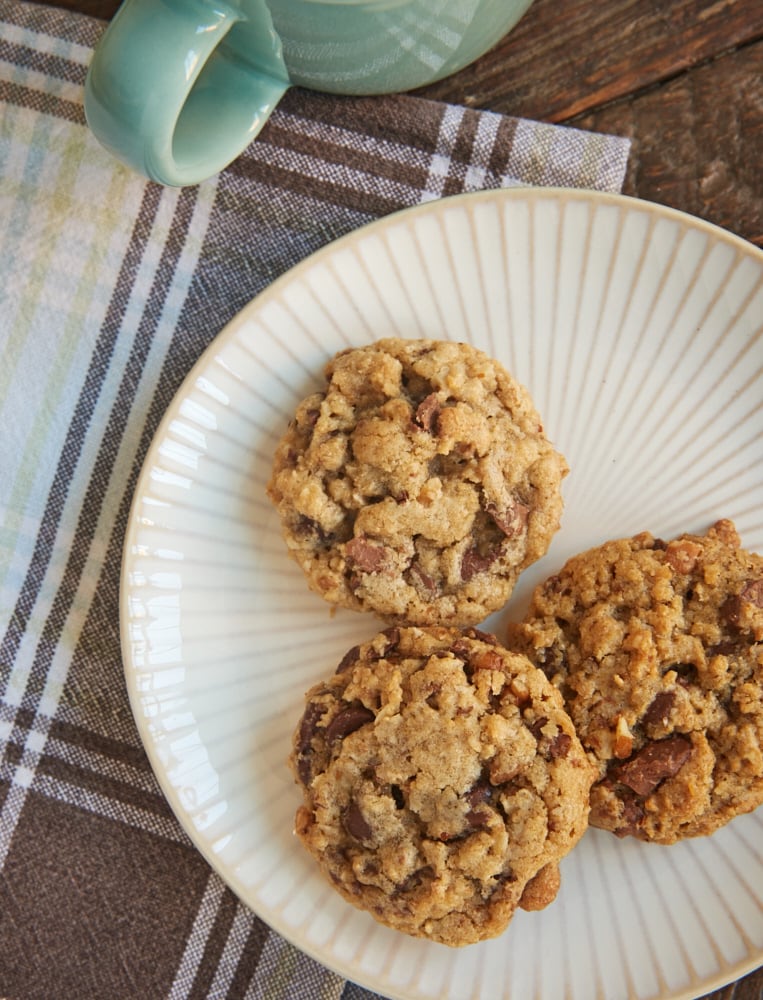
(197,939)
(355,180)
(439,168)
(98,763)
(238,935)
(477,172)
(285,972)
(115,810)
(49,44)
(92,444)
(344,138)
(40,82)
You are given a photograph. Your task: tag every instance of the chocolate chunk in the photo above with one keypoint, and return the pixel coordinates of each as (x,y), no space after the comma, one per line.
(632,814)
(725,648)
(364,555)
(306,527)
(477,819)
(513,520)
(348,721)
(310,417)
(307,728)
(658,712)
(655,762)
(461,649)
(552,747)
(559,746)
(397,794)
(752,592)
(350,657)
(416,880)
(687,673)
(731,610)
(477,633)
(355,823)
(536,727)
(392,636)
(479,793)
(427,412)
(474,562)
(422,581)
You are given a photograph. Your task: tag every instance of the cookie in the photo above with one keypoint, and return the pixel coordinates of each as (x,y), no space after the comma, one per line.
(443,782)
(658,651)
(417,484)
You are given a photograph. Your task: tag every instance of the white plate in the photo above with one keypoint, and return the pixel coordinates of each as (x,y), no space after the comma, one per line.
(638,331)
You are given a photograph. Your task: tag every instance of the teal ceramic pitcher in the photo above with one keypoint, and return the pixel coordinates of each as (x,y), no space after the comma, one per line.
(178,88)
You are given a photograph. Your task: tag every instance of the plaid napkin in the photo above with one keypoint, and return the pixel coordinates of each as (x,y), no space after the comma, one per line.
(110,289)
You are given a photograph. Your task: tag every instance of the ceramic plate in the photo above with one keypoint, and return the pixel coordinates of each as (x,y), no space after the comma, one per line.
(638,331)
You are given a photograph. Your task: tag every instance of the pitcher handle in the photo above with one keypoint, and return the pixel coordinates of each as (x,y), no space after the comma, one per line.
(169,95)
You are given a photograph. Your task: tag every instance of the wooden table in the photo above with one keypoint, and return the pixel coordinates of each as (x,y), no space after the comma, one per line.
(682,78)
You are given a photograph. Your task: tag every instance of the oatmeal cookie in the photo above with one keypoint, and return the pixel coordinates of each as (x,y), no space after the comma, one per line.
(657,649)
(417,484)
(443,782)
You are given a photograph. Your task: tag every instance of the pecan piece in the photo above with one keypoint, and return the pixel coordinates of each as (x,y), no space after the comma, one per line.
(488,659)
(623,739)
(682,555)
(427,412)
(653,763)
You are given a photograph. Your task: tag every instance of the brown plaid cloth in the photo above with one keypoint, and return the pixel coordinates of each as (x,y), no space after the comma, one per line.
(110,289)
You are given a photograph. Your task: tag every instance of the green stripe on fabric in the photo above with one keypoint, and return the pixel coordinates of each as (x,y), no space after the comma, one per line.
(67,339)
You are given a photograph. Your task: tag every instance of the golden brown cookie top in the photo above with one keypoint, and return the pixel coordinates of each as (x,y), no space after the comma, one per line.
(443,781)
(418,483)
(658,650)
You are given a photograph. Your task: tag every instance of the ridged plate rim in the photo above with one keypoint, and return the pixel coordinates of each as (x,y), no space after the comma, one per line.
(133,649)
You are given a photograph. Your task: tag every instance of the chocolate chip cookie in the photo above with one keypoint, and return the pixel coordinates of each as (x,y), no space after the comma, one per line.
(657,649)
(417,484)
(443,782)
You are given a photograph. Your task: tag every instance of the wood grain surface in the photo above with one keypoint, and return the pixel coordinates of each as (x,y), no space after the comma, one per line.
(682,78)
